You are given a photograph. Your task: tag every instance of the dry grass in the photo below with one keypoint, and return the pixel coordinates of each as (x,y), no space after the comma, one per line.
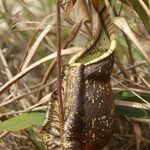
(28,74)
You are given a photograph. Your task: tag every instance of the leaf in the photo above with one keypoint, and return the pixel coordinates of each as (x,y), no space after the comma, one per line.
(142,13)
(121,23)
(123,95)
(131,106)
(122,47)
(37,143)
(125,2)
(98,4)
(67,5)
(23,121)
(50,3)
(133,112)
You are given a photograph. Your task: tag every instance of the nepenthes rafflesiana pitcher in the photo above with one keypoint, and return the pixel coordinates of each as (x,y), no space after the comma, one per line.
(86,92)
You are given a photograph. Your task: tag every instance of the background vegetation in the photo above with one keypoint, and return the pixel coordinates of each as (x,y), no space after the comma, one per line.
(27,44)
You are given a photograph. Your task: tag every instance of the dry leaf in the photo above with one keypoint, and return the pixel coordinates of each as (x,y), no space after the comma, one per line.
(121,23)
(67,5)
(138,135)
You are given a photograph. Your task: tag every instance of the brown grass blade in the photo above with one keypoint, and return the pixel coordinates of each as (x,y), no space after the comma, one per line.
(121,23)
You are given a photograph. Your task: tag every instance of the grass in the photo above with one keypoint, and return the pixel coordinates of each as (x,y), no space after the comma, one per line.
(28,74)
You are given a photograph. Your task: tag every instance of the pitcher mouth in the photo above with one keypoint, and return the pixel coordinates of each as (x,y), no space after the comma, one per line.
(100,70)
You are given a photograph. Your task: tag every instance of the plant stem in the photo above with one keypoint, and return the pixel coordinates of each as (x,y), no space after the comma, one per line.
(61,116)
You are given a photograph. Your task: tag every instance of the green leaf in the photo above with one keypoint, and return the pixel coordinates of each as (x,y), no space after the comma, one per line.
(128,96)
(122,47)
(130,111)
(123,95)
(50,3)
(39,145)
(23,121)
(133,112)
